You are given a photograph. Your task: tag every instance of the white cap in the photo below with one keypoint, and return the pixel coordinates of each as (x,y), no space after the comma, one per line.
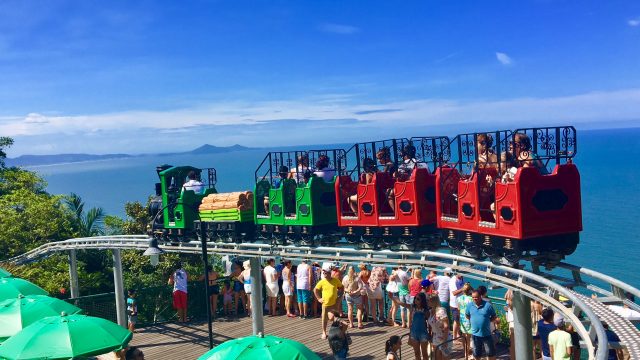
(447,270)
(327,266)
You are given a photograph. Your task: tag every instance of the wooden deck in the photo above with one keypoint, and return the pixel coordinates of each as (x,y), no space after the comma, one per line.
(170,341)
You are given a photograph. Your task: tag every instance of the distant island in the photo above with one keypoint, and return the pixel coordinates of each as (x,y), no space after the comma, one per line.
(35,160)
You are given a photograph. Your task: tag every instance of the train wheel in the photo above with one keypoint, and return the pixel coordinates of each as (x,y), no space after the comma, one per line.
(473,251)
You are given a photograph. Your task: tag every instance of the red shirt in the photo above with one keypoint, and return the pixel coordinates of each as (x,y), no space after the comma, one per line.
(414,287)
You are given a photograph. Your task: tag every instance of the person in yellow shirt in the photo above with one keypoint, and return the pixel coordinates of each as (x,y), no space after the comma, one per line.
(560,343)
(326,292)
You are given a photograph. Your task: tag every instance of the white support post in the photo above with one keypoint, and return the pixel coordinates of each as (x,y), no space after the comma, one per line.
(74,289)
(522,326)
(121,310)
(257,317)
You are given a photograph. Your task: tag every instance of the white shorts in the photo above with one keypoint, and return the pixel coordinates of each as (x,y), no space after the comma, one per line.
(375,294)
(286,289)
(272,289)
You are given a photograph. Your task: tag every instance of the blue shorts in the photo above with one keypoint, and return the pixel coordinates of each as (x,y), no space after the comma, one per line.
(483,346)
(455,314)
(304,296)
(420,336)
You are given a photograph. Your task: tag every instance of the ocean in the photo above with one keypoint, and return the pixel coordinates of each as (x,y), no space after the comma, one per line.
(609,180)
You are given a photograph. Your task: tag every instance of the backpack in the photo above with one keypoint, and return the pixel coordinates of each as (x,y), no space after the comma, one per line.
(336,337)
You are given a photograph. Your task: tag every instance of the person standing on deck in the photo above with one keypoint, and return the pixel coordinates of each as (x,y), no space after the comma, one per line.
(304,275)
(441,285)
(327,292)
(179,280)
(455,290)
(480,314)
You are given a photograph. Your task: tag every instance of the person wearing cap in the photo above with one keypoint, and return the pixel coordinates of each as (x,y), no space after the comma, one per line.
(326,292)
(245,279)
(560,342)
(441,285)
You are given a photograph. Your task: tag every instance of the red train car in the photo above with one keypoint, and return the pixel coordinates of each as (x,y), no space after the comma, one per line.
(499,200)
(389,197)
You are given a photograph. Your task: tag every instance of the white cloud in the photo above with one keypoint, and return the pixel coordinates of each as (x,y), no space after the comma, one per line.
(634,22)
(128,130)
(339,29)
(504,58)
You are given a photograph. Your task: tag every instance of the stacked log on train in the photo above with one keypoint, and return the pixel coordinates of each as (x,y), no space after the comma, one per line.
(228,216)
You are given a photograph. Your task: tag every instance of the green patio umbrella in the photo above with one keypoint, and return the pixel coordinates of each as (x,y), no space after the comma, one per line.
(23,311)
(4,273)
(11,287)
(254,347)
(65,337)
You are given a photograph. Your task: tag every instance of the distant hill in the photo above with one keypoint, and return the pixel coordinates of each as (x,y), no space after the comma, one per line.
(211,149)
(35,160)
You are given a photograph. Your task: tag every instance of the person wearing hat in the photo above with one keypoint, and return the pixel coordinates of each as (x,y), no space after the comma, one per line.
(560,342)
(327,292)
(245,279)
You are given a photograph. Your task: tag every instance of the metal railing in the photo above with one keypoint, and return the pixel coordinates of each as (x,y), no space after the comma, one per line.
(537,285)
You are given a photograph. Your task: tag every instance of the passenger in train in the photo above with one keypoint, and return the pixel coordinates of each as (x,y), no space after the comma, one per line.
(322,169)
(409,162)
(193,184)
(369,167)
(384,158)
(302,165)
(283,172)
(523,154)
(486,156)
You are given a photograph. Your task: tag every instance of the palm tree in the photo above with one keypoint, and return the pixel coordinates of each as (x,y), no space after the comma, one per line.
(89,224)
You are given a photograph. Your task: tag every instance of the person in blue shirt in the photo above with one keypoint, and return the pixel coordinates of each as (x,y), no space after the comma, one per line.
(480,313)
(614,354)
(545,327)
(132,310)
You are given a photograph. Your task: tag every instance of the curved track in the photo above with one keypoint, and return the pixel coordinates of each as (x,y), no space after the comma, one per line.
(587,313)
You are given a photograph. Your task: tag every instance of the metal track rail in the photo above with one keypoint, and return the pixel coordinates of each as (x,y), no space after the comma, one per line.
(542,286)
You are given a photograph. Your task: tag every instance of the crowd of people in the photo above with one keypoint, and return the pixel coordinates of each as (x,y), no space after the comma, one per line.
(437,309)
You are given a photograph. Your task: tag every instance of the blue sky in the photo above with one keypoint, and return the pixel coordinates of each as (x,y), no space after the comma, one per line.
(153,76)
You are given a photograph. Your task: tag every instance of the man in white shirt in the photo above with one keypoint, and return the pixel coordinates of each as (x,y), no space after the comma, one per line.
(179,280)
(455,289)
(441,285)
(193,184)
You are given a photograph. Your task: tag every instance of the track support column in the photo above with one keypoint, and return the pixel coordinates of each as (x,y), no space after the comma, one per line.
(205,263)
(521,307)
(74,289)
(257,307)
(121,310)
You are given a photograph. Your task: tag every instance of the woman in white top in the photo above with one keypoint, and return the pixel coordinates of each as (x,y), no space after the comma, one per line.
(271,279)
(322,169)
(302,166)
(287,287)
(245,278)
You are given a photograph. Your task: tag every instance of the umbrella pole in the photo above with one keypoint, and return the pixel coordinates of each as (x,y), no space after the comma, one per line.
(257,307)
(205,261)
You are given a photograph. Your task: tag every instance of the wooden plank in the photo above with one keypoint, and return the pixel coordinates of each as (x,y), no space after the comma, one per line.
(189,341)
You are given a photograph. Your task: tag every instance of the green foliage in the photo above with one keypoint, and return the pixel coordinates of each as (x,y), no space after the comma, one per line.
(5,142)
(89,224)
(503,327)
(28,220)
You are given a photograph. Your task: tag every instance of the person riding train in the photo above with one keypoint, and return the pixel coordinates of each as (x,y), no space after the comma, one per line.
(322,169)
(369,167)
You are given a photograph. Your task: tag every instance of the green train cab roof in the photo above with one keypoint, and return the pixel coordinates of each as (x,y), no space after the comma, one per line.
(179,170)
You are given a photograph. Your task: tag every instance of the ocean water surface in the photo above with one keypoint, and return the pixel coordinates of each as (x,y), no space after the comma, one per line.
(610,242)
